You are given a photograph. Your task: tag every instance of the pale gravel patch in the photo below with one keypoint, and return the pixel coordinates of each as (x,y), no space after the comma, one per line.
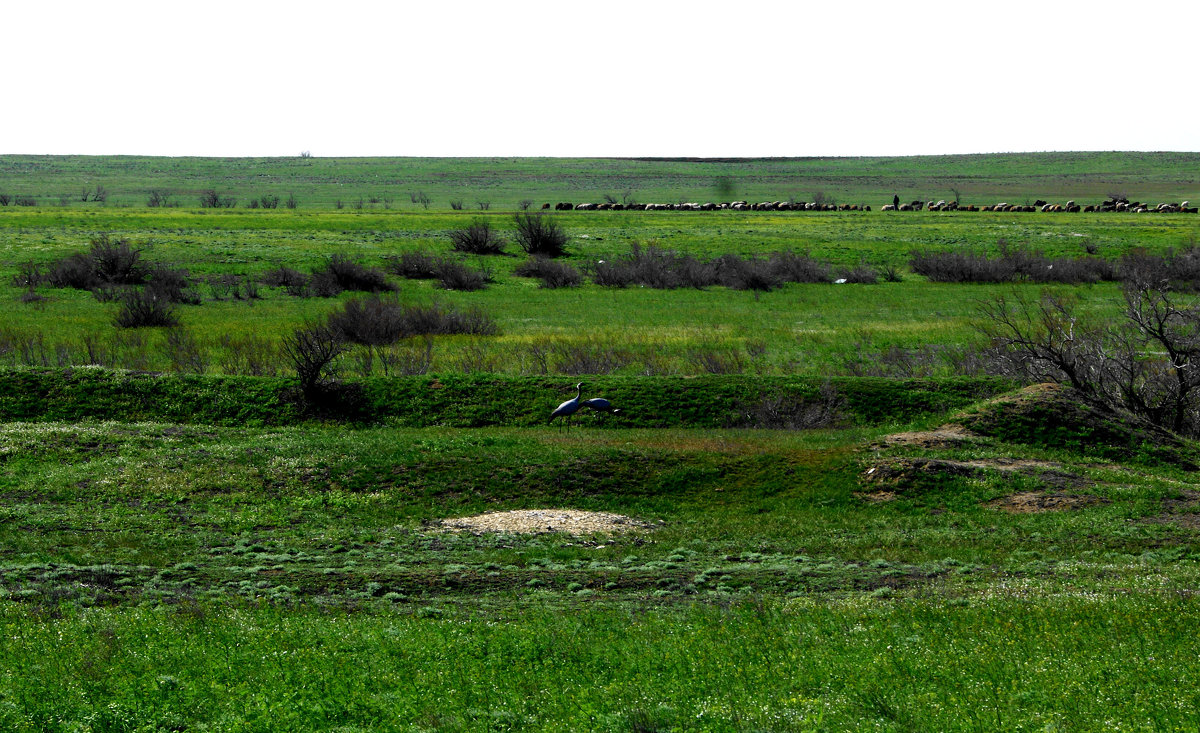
(539,521)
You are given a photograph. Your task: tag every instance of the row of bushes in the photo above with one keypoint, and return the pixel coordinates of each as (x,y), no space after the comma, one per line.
(475,400)
(1020,264)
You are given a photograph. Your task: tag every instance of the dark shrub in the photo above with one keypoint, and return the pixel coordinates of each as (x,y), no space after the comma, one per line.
(30,275)
(453,275)
(158,199)
(862,274)
(540,235)
(415,265)
(478,238)
(211,199)
(613,273)
(373,321)
(378,321)
(552,274)
(350,275)
(171,283)
(796,267)
(116,261)
(745,274)
(142,307)
(962,267)
(285,277)
(76,271)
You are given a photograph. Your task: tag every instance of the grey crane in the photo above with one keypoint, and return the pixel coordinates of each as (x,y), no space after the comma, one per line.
(599,404)
(569,408)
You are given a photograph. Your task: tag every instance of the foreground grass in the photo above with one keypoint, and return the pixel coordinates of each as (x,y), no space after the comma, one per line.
(1103,661)
(200,578)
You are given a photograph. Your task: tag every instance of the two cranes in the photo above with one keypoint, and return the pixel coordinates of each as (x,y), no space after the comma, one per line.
(567,409)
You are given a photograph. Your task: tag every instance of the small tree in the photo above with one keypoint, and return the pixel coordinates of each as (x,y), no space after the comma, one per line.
(313,350)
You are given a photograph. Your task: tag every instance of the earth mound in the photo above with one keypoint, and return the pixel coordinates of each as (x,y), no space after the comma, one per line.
(1053,416)
(545,521)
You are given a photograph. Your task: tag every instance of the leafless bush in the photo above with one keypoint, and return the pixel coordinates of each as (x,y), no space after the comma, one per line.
(799,267)
(552,274)
(291,202)
(171,284)
(117,261)
(861,274)
(654,267)
(540,235)
(1145,364)
(346,274)
(1179,269)
(75,271)
(456,204)
(285,277)
(524,204)
(378,321)
(314,350)
(415,265)
(1012,263)
(962,267)
(5,199)
(30,275)
(212,199)
(24,200)
(158,199)
(477,238)
(453,275)
(740,273)
(142,308)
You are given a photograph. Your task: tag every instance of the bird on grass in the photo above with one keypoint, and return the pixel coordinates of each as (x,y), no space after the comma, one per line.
(599,404)
(569,408)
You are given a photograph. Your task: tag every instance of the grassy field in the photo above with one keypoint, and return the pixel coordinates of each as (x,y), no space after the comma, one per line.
(220,552)
(503,182)
(802,328)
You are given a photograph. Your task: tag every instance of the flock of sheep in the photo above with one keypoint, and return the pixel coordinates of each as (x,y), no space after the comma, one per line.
(1111,204)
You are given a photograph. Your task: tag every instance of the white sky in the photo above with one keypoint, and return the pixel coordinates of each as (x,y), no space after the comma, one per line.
(613,78)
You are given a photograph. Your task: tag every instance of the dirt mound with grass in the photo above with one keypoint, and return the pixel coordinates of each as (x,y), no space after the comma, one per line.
(1036,502)
(1053,416)
(545,521)
(891,475)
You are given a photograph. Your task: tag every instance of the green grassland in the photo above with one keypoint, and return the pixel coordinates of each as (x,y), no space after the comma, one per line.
(320,182)
(220,552)
(804,328)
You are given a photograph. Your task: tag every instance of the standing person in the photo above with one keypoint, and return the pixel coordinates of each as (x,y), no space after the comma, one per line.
(896,201)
